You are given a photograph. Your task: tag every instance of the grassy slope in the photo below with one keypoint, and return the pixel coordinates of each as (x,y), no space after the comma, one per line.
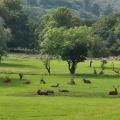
(84,102)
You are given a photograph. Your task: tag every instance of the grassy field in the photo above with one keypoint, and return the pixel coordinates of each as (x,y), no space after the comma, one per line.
(84,102)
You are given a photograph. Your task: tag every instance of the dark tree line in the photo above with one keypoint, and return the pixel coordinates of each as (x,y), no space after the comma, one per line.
(21,27)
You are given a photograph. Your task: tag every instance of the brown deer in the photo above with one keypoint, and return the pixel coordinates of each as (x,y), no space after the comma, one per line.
(50,91)
(26,82)
(57,85)
(117,71)
(71,82)
(87,81)
(45,92)
(115,92)
(39,92)
(21,76)
(63,90)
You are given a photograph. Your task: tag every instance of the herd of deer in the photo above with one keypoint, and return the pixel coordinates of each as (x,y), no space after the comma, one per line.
(51,92)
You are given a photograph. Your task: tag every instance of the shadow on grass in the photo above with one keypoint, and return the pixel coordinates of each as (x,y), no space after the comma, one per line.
(16,65)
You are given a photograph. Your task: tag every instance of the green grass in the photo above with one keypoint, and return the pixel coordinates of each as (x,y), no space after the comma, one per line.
(83,102)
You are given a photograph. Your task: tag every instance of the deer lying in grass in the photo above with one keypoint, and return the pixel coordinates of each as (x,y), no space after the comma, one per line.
(57,85)
(63,90)
(115,92)
(87,81)
(45,92)
(71,82)
(26,82)
(39,92)
(117,71)
(50,91)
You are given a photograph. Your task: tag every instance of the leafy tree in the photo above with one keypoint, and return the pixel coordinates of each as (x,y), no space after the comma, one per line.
(53,41)
(72,44)
(17,21)
(77,43)
(99,48)
(66,39)
(107,29)
(2,54)
(4,37)
(62,17)
(46,61)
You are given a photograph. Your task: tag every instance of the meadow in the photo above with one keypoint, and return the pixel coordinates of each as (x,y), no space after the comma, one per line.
(19,101)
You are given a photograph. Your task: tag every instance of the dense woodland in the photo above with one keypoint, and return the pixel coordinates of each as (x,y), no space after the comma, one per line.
(83,8)
(73,38)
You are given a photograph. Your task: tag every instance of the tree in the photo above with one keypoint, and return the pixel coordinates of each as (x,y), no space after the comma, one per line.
(71,44)
(107,29)
(62,17)
(2,54)
(4,37)
(77,43)
(99,48)
(46,61)
(53,41)
(65,37)
(17,21)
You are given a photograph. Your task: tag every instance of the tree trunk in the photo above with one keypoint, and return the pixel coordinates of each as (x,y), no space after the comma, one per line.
(72,66)
(48,69)
(91,61)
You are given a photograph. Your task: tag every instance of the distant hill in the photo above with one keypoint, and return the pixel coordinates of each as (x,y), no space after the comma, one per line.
(83,8)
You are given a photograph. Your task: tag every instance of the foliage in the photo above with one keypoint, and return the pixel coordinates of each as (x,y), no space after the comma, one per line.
(72,44)
(107,29)
(61,13)
(83,8)
(17,21)
(5,35)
